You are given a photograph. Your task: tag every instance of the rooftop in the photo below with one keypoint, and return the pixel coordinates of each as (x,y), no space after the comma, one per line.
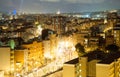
(110,58)
(74,61)
(105,58)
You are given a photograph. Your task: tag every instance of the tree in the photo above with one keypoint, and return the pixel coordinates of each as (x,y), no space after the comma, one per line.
(46,32)
(80,49)
(112,48)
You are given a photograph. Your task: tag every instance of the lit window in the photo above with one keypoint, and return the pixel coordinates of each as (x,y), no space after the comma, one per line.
(80,70)
(119,74)
(80,76)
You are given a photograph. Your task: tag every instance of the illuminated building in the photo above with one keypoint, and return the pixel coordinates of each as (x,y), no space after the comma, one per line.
(116,31)
(12,61)
(108,69)
(59,24)
(112,18)
(93,41)
(35,55)
(112,15)
(54,43)
(5,59)
(79,37)
(20,61)
(53,22)
(47,49)
(50,46)
(1,73)
(94,64)
(75,68)
(109,40)
(101,65)
(69,68)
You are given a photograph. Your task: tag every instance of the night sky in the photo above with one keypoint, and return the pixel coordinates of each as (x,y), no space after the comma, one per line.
(52,6)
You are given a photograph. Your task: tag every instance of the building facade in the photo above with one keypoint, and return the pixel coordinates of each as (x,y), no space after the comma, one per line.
(5,59)
(108,70)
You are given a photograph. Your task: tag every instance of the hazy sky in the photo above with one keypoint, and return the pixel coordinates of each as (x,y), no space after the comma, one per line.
(52,6)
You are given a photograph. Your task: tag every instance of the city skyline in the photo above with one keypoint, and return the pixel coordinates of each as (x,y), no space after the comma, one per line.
(60,45)
(52,6)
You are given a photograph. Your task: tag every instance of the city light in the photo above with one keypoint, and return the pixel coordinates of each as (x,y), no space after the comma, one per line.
(39,45)
(48,55)
(39,30)
(58,12)
(65,52)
